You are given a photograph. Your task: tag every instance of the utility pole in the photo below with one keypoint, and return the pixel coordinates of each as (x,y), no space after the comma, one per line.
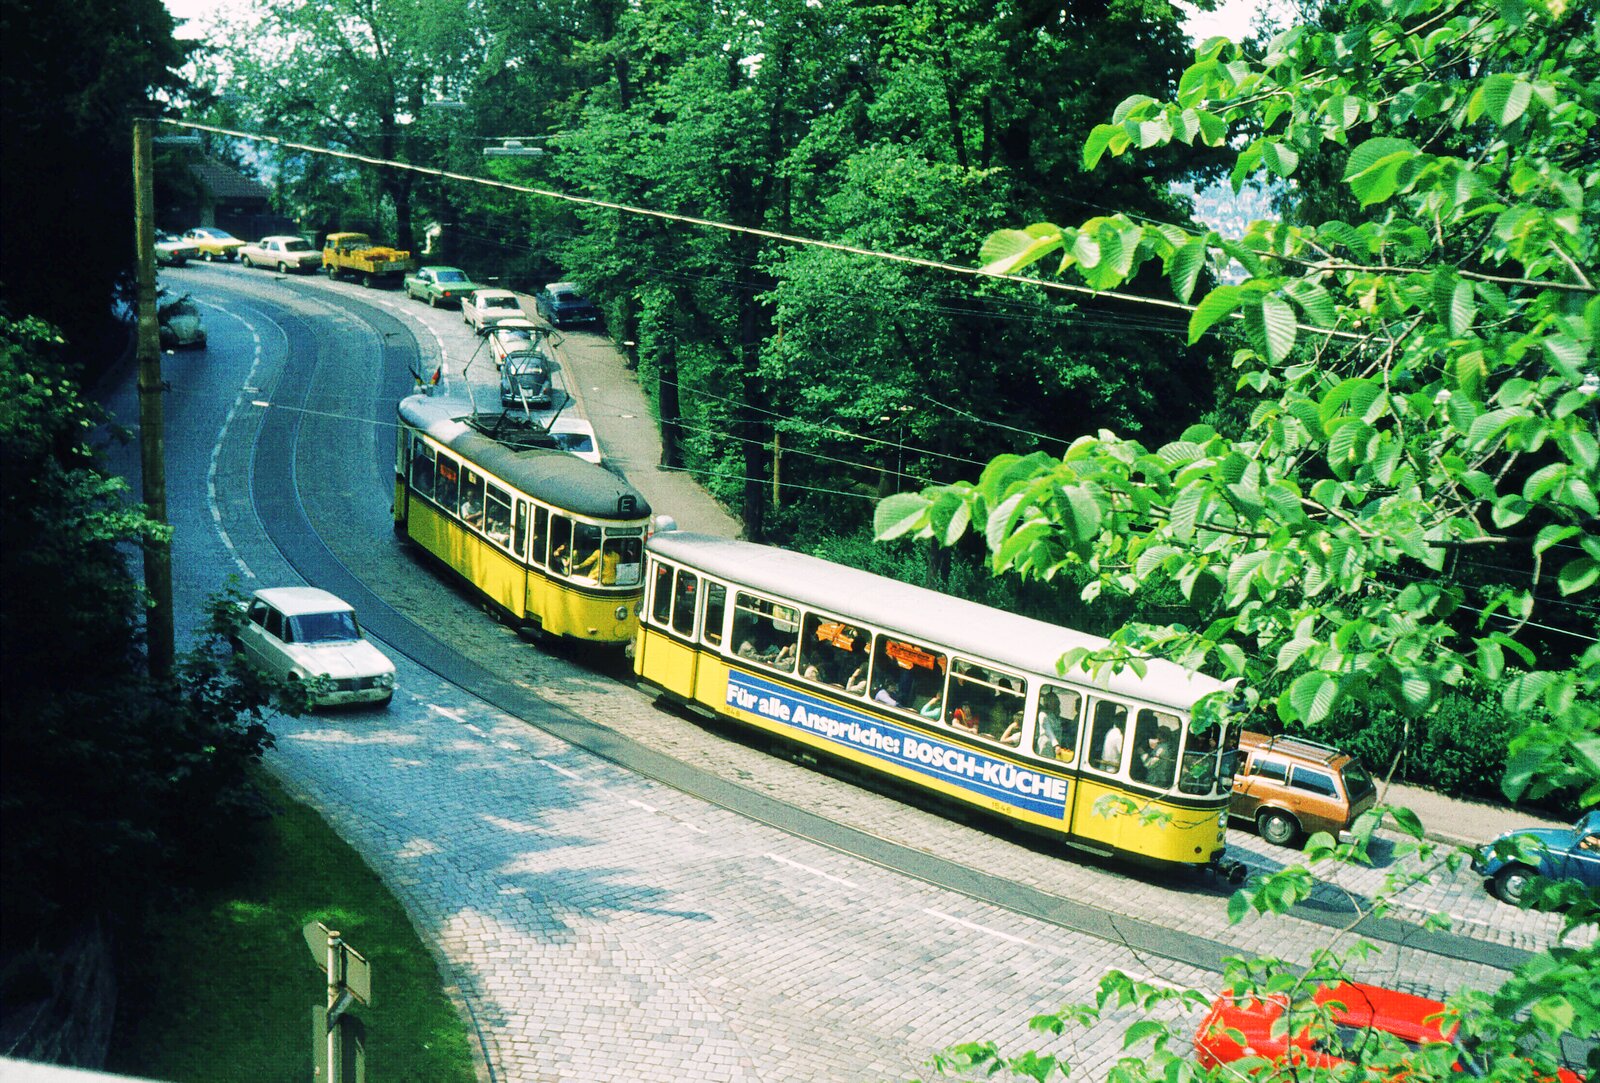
(152,426)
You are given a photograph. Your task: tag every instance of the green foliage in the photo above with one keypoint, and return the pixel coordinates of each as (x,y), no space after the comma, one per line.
(112,783)
(1423,376)
(243,1014)
(74,78)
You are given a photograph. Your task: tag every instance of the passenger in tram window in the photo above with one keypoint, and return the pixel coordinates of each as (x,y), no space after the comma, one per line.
(1013,732)
(933,708)
(1158,760)
(856,684)
(604,561)
(964,718)
(747,649)
(1107,743)
(884,696)
(812,673)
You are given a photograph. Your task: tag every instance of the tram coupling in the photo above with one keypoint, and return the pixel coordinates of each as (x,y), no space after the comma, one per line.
(1230,870)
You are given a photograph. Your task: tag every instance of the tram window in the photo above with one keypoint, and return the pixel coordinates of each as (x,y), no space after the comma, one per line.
(497,515)
(906,675)
(984,702)
(1155,747)
(560,543)
(590,561)
(628,549)
(832,648)
(1055,730)
(470,507)
(422,468)
(765,631)
(683,599)
(661,595)
(541,531)
(1107,739)
(716,608)
(1199,775)
(445,484)
(520,535)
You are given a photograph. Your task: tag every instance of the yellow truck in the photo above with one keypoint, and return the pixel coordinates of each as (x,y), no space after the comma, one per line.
(354,255)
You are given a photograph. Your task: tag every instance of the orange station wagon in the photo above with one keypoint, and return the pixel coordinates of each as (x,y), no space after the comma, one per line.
(1290,787)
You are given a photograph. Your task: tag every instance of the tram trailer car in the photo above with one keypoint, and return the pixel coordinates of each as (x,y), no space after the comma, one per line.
(552,543)
(945,694)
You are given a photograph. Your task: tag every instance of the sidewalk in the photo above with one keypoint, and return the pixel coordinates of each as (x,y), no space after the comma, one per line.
(1459,820)
(609,395)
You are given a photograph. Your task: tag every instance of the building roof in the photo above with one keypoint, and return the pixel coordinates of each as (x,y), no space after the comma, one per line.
(226,183)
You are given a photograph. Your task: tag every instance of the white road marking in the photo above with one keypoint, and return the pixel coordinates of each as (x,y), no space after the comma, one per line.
(456,715)
(641,804)
(1144,979)
(812,871)
(558,769)
(975,927)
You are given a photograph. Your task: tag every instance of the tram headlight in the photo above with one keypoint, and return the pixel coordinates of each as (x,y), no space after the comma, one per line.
(622,612)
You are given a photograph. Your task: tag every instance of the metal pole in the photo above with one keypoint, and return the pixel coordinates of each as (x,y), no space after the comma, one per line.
(152,426)
(335,1031)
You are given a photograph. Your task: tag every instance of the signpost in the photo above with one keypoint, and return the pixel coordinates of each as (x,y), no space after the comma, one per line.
(338,1038)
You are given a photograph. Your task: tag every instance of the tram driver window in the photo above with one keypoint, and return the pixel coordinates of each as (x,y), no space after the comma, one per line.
(590,559)
(1199,774)
(661,595)
(560,544)
(831,650)
(629,550)
(1055,731)
(422,468)
(716,609)
(1108,737)
(907,676)
(765,631)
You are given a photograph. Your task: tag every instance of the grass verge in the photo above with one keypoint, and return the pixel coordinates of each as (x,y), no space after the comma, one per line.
(221,987)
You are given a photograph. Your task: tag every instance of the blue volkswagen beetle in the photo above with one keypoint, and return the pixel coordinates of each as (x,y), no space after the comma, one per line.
(1560,853)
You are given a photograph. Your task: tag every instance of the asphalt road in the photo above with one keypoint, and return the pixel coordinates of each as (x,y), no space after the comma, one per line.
(613,889)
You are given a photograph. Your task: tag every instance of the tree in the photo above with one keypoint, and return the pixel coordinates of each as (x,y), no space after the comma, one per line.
(1423,392)
(115,787)
(74,78)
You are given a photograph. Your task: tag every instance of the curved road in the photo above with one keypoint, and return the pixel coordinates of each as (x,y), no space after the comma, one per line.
(595,904)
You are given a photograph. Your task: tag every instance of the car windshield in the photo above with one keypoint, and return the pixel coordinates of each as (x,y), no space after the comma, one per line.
(573,441)
(450,276)
(298,245)
(179,308)
(336,627)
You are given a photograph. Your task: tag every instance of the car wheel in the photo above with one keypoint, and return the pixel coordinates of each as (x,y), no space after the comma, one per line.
(366,280)
(1278,828)
(246,261)
(1511,882)
(283,268)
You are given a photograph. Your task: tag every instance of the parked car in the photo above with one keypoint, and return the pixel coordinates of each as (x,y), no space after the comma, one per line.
(564,306)
(1357,1015)
(1289,786)
(484,309)
(575,436)
(512,336)
(525,379)
(284,253)
(306,634)
(1356,1012)
(439,285)
(178,323)
(1560,853)
(214,243)
(174,251)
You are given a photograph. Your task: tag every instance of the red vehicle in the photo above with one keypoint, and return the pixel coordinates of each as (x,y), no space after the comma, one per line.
(1357,1012)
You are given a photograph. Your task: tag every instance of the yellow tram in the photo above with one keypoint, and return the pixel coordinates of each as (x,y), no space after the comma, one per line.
(553,543)
(939,692)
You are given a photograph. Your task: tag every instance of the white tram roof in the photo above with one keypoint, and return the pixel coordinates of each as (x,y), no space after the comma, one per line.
(547,473)
(967,628)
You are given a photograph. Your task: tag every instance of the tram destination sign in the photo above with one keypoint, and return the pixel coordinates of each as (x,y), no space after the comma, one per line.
(955,765)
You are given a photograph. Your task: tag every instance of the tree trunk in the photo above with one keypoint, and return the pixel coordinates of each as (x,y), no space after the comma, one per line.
(667,400)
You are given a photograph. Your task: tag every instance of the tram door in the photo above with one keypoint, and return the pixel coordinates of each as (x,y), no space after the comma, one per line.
(668,647)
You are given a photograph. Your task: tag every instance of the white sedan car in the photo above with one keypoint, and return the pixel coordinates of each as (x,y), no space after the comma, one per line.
(306,634)
(284,254)
(575,436)
(486,309)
